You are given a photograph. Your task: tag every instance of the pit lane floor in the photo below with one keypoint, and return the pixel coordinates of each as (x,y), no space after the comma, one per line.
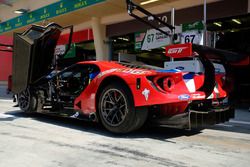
(45,141)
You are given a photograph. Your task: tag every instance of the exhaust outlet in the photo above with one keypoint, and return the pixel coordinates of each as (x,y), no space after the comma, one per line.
(93,117)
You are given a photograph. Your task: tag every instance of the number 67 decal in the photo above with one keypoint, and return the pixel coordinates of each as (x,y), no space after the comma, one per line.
(189,38)
(194,37)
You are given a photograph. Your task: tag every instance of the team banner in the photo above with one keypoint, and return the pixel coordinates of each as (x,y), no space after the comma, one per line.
(53,10)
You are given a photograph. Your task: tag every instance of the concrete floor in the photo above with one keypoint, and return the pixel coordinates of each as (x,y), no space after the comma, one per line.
(39,140)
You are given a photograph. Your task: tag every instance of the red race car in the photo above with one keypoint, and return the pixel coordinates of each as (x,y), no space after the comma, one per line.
(121,96)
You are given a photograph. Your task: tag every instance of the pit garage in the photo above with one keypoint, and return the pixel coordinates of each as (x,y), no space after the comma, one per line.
(149,107)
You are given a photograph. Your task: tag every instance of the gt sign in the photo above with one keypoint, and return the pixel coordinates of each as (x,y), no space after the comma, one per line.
(179,50)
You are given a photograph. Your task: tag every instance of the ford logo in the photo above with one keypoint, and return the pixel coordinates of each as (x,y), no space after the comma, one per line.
(180,68)
(184,97)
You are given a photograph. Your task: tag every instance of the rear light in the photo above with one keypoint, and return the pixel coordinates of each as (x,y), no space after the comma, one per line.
(168,84)
(163,84)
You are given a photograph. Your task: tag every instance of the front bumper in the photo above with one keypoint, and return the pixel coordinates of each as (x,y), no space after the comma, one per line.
(197,119)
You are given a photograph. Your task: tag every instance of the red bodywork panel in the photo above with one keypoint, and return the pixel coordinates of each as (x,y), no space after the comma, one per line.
(129,76)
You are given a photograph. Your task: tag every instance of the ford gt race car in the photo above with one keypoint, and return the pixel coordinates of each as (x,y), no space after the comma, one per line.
(122,96)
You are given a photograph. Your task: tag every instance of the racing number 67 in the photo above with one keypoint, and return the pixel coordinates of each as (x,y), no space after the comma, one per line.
(189,38)
(150,38)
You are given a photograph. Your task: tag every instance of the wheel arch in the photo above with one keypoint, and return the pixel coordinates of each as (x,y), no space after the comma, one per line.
(106,82)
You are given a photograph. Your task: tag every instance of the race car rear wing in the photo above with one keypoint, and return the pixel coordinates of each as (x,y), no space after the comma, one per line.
(189,50)
(206,55)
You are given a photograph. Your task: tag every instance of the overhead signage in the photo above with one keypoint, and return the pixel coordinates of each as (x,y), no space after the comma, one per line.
(179,50)
(194,36)
(193,26)
(186,33)
(155,39)
(192,33)
(53,10)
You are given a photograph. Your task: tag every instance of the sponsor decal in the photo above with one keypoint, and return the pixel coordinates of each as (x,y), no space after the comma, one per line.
(127,71)
(176,50)
(180,68)
(184,97)
(198,96)
(134,71)
(106,72)
(146,93)
(75,115)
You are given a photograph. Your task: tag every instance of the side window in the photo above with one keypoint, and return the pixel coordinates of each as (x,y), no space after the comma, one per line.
(66,74)
(70,80)
(93,71)
(75,79)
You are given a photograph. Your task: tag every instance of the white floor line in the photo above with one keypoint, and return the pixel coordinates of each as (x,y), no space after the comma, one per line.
(240,122)
(6,100)
(6,116)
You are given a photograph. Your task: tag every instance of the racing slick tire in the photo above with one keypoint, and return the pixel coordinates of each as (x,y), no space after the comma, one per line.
(141,117)
(27,101)
(116,110)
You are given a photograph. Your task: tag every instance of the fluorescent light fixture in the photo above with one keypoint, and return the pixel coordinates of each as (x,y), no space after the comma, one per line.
(218,24)
(147,2)
(236,21)
(21,11)
(124,39)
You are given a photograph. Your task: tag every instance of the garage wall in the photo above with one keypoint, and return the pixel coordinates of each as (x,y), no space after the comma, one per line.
(5,59)
(248,6)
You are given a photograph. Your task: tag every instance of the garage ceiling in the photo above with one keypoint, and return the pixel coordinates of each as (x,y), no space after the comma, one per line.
(113,7)
(6,3)
(108,9)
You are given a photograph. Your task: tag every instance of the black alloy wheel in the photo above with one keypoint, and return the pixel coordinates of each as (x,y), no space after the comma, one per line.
(27,101)
(116,109)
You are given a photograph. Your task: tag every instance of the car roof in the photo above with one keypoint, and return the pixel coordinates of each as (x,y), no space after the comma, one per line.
(104,65)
